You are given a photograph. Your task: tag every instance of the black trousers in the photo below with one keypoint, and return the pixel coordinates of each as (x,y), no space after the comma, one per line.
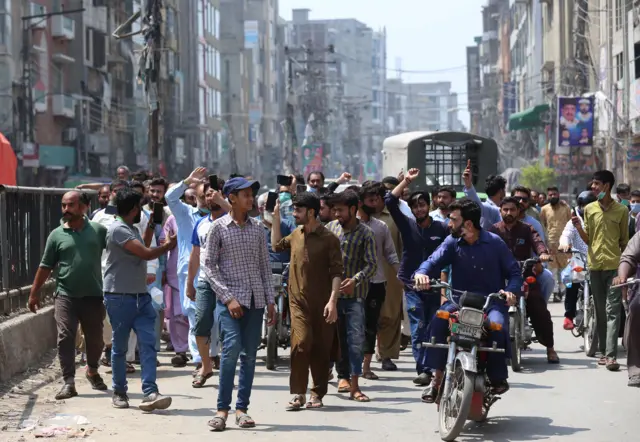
(372,308)
(89,312)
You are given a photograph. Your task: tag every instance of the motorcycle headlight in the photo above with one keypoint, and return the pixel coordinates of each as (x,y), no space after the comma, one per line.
(471,317)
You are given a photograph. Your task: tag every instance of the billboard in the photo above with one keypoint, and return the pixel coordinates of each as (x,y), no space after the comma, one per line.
(312,158)
(575,125)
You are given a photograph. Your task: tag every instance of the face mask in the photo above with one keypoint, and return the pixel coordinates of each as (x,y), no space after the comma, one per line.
(554,201)
(635,207)
(601,195)
(312,189)
(284,197)
(204,210)
(625,202)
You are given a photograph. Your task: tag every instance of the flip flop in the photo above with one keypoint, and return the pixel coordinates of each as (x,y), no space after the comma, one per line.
(359,396)
(243,420)
(344,388)
(314,403)
(130,368)
(295,404)
(370,376)
(553,359)
(218,423)
(200,379)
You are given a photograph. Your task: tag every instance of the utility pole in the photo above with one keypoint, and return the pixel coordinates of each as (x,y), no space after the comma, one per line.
(288,156)
(150,67)
(627,88)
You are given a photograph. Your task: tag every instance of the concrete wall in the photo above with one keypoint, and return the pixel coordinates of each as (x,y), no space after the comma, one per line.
(24,340)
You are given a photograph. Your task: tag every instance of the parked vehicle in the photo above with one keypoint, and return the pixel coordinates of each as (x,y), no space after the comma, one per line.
(278,335)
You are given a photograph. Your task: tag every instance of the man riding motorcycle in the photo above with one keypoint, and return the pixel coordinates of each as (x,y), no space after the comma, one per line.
(480,263)
(523,240)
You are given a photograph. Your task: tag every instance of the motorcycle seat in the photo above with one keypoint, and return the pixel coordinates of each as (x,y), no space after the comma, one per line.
(472,300)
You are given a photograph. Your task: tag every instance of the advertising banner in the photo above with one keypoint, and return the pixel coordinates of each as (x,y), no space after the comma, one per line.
(575,125)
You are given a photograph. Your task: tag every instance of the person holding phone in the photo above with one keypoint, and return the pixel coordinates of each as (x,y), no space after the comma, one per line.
(267,202)
(314,288)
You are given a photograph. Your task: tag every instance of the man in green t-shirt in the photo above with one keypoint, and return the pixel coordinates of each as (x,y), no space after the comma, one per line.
(606,231)
(75,248)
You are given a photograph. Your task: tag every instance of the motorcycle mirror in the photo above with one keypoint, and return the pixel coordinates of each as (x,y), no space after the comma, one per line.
(531,280)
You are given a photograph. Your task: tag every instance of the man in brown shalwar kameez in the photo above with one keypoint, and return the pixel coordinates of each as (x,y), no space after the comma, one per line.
(315,273)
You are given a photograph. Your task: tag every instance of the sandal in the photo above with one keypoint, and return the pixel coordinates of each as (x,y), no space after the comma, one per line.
(243,420)
(359,396)
(218,423)
(197,370)
(296,403)
(344,386)
(552,357)
(200,379)
(602,360)
(612,364)
(370,376)
(215,361)
(430,394)
(314,403)
(130,368)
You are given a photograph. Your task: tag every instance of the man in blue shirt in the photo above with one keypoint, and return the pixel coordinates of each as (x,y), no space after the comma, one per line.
(481,263)
(444,197)
(420,238)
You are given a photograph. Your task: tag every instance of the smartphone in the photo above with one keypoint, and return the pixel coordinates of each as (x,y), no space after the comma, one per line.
(271,201)
(158,213)
(111,210)
(213,182)
(284,180)
(301,188)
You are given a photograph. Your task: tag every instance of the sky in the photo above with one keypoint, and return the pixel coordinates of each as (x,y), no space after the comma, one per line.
(424,35)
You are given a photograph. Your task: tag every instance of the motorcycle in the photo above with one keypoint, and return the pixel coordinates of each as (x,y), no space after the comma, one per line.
(277,335)
(466,385)
(520,331)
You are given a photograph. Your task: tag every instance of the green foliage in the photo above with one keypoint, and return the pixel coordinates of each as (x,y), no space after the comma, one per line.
(538,177)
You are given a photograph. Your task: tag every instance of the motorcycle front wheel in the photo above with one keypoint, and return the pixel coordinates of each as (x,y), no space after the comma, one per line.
(516,342)
(272,347)
(454,409)
(590,334)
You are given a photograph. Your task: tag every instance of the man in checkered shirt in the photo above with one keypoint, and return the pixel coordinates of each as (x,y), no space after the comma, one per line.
(237,267)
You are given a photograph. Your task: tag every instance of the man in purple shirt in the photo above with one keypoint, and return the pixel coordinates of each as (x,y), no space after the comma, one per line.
(237,267)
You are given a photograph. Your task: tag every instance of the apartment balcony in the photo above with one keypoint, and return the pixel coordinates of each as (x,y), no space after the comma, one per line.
(63,27)
(63,105)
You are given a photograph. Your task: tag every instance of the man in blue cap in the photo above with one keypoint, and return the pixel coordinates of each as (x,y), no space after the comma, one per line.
(237,267)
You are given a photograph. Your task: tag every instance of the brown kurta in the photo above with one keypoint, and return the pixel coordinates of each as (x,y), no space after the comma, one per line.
(390,322)
(553,220)
(316,259)
(631,256)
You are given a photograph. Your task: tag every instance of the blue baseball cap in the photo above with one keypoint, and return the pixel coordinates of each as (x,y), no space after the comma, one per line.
(239,183)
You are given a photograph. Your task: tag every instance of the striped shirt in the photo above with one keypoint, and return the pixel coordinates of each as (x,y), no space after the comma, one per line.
(237,262)
(385,249)
(199,239)
(358,255)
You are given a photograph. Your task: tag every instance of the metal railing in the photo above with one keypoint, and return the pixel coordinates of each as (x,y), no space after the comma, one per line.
(27,216)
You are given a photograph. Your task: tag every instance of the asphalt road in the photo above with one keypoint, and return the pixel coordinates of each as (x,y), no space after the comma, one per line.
(575,401)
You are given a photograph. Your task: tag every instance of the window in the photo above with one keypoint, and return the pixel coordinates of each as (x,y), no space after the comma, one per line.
(88,45)
(201,61)
(171,22)
(5,29)
(203,101)
(376,113)
(619,65)
(218,67)
(218,112)
(58,78)
(636,58)
(619,14)
(200,18)
(216,21)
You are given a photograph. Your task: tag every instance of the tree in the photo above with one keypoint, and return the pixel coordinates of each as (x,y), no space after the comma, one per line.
(538,177)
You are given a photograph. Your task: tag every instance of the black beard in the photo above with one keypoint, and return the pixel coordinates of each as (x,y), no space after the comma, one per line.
(421,219)
(457,233)
(368,210)
(509,219)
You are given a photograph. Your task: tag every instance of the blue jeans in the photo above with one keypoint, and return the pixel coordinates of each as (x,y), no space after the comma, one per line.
(127,312)
(546,283)
(240,339)
(351,322)
(496,362)
(421,307)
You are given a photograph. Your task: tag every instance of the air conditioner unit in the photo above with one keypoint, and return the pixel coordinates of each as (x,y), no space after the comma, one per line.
(39,22)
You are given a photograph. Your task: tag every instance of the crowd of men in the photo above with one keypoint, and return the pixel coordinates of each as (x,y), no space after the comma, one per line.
(360,267)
